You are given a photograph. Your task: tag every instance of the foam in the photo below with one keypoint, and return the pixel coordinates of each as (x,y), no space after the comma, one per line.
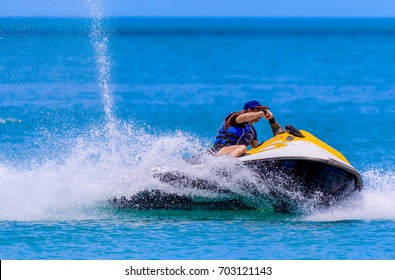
(92,169)
(9,120)
(375,202)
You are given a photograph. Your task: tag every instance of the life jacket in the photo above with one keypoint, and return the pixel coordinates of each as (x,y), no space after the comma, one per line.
(229,135)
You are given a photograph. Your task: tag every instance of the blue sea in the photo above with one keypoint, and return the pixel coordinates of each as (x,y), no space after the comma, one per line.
(88,106)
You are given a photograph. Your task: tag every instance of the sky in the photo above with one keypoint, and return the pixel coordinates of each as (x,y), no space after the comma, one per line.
(204,8)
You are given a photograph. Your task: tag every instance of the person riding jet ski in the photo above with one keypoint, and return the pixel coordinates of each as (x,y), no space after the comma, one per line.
(237,132)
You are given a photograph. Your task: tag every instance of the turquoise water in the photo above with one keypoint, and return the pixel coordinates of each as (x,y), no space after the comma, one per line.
(89,107)
(173,238)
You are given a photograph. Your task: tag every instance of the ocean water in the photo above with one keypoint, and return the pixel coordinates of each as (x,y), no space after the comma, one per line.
(89,106)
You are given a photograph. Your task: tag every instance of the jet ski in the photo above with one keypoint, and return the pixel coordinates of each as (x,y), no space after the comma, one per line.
(294,170)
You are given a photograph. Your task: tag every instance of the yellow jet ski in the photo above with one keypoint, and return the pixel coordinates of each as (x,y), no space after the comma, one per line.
(292,170)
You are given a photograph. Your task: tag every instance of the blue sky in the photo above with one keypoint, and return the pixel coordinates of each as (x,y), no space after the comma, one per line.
(256,8)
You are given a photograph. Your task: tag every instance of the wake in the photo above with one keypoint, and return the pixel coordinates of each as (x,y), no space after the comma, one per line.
(375,202)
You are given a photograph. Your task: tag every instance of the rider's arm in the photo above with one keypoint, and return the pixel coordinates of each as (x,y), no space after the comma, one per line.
(276,127)
(246,117)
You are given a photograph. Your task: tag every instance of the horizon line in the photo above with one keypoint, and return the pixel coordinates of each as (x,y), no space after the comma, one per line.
(202,17)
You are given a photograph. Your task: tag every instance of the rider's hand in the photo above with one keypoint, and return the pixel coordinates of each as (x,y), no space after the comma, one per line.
(267,114)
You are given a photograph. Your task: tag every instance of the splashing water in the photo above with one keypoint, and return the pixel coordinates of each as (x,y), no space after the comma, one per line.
(100,43)
(375,202)
(90,173)
(79,183)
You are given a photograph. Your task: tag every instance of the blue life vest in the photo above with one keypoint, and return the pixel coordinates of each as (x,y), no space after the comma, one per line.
(234,135)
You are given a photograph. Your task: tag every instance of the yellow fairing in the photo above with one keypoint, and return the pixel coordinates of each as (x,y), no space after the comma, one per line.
(282,140)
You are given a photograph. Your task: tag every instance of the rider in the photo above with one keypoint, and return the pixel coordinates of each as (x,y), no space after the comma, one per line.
(237,132)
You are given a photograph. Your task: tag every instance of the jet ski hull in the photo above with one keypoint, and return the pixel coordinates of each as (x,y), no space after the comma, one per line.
(300,183)
(160,200)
